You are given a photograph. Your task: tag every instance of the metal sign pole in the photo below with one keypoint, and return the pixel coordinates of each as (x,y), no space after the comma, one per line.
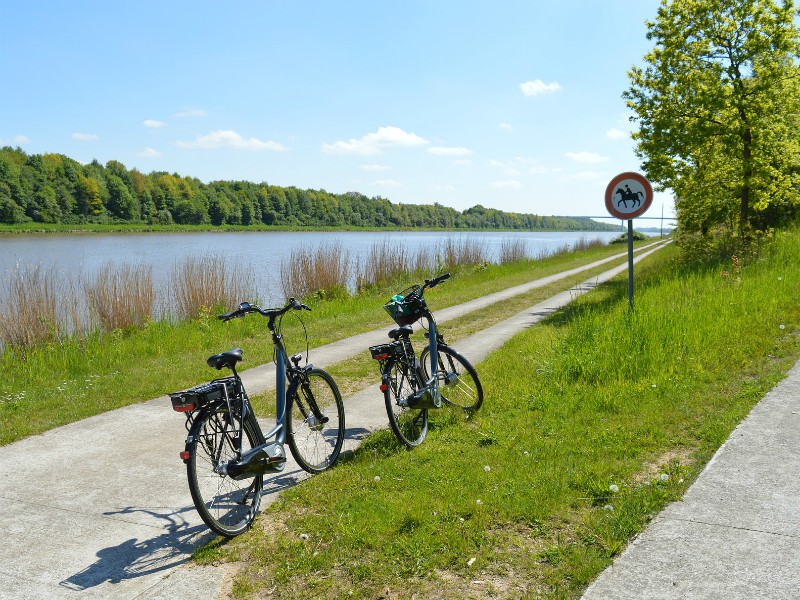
(629,195)
(630,263)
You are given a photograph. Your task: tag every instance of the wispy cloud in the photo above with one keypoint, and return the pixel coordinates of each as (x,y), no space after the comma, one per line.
(374,168)
(85,137)
(589,158)
(192,112)
(375,143)
(449,151)
(385,183)
(230,139)
(505,126)
(506,184)
(149,153)
(152,123)
(537,87)
(17,139)
(616,134)
(437,188)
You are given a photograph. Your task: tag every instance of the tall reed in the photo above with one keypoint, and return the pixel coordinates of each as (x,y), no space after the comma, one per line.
(122,297)
(324,270)
(512,250)
(384,263)
(207,282)
(454,253)
(30,313)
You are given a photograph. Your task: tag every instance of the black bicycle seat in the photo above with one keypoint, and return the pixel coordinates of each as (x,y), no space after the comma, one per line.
(225,359)
(404,331)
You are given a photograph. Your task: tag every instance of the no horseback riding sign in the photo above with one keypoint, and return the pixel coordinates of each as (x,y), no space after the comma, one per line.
(628,195)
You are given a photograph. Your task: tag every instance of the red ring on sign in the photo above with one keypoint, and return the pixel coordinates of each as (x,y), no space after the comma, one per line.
(610,192)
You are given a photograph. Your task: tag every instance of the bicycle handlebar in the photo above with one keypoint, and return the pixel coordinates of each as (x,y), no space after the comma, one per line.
(429,283)
(246,307)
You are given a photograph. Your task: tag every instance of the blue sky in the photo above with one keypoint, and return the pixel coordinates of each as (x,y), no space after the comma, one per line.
(515,105)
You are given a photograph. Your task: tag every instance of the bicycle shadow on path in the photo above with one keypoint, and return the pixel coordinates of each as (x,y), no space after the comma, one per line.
(135,558)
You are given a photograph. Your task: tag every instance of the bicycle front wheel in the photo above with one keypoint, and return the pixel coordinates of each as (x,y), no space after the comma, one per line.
(316,422)
(227,506)
(458,381)
(399,383)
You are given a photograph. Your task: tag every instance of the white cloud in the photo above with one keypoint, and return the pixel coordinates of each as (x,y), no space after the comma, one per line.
(223,138)
(536,87)
(616,134)
(385,183)
(590,176)
(505,126)
(542,170)
(442,188)
(375,168)
(507,184)
(152,123)
(589,158)
(452,151)
(192,112)
(462,162)
(17,139)
(149,153)
(85,137)
(374,143)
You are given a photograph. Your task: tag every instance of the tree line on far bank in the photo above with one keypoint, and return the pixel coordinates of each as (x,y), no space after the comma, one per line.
(53,188)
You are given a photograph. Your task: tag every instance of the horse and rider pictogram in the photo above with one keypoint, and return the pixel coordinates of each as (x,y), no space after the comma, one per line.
(628,195)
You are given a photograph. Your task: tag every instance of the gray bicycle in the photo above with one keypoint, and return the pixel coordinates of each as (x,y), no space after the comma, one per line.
(226,453)
(412,386)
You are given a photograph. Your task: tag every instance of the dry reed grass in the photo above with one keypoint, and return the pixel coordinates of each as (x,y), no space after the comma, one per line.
(464,252)
(121,297)
(207,282)
(30,314)
(512,250)
(384,263)
(324,270)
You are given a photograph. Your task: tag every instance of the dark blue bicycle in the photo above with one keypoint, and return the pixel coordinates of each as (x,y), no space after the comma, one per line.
(226,453)
(411,386)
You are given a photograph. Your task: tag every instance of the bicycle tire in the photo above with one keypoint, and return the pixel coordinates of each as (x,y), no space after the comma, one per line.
(227,506)
(316,445)
(458,381)
(399,381)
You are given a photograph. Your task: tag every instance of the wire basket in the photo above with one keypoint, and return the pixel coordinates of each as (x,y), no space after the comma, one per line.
(407,306)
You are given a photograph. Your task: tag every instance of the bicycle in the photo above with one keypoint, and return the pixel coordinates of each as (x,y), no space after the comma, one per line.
(226,453)
(411,386)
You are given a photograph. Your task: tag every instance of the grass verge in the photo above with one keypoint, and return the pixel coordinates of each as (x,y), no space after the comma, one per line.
(593,421)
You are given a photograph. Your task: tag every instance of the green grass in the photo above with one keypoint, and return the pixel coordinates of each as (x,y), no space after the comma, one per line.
(78,378)
(592,422)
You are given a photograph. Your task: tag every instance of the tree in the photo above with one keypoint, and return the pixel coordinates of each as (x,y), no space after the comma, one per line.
(717,106)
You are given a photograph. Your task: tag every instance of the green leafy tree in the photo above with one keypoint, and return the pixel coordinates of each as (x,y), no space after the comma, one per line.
(717,106)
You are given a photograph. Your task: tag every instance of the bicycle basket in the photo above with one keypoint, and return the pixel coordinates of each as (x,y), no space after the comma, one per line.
(201,395)
(407,306)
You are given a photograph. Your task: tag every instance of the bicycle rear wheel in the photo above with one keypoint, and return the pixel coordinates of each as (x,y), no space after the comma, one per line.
(227,506)
(458,381)
(316,422)
(399,382)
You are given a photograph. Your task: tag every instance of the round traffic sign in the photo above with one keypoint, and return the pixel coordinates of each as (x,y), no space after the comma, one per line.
(628,195)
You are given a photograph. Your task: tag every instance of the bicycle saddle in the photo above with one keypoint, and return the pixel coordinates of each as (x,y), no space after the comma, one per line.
(404,331)
(225,359)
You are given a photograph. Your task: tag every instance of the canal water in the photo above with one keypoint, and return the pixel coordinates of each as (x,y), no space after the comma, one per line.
(78,257)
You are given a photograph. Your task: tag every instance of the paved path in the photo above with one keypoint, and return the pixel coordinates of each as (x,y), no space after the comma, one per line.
(100,508)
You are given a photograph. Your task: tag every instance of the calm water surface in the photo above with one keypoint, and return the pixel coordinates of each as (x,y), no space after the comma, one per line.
(80,256)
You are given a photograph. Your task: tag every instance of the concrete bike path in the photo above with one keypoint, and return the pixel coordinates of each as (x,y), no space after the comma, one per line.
(100,508)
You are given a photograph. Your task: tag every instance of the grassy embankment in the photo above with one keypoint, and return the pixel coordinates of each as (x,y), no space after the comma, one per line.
(593,421)
(77,377)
